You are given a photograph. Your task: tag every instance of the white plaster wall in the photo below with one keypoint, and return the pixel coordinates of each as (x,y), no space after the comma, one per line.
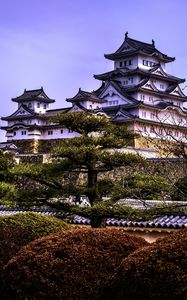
(149,58)
(134,62)
(19,135)
(40,109)
(42,135)
(57,134)
(158,84)
(34,107)
(130,80)
(114,100)
(90,104)
(166,116)
(154,131)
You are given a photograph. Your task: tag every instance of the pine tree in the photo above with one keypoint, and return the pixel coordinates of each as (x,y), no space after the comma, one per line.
(96,149)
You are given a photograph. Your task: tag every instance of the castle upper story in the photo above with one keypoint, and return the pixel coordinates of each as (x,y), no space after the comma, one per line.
(137,90)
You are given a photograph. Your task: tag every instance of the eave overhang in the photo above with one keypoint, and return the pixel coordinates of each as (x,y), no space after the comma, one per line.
(122,55)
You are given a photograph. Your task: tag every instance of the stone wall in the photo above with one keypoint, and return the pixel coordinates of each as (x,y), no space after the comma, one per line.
(173,169)
(36,146)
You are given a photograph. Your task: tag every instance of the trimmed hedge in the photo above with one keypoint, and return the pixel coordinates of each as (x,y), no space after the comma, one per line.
(20,229)
(156,272)
(71,265)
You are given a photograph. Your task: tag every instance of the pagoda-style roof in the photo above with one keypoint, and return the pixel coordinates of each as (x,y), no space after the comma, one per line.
(163,105)
(156,72)
(120,112)
(21,113)
(130,47)
(20,125)
(33,95)
(169,92)
(117,86)
(85,96)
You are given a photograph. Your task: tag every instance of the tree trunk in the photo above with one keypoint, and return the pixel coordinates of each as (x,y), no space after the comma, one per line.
(98,221)
(92,186)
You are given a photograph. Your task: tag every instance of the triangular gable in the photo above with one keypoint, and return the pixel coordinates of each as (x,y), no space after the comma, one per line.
(76,108)
(43,95)
(159,71)
(22,111)
(177,92)
(125,47)
(111,93)
(121,116)
(149,85)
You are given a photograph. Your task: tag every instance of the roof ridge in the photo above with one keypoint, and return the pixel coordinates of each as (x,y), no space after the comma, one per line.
(128,38)
(35,90)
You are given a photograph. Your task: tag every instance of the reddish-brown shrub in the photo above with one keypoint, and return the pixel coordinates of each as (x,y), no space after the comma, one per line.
(156,272)
(18,230)
(72,265)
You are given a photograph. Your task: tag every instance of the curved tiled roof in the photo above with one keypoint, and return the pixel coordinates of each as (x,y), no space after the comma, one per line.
(30,95)
(85,96)
(147,73)
(174,221)
(131,46)
(167,221)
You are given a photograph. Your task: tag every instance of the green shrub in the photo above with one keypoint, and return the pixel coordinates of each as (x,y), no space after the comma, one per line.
(73,264)
(156,272)
(180,190)
(18,230)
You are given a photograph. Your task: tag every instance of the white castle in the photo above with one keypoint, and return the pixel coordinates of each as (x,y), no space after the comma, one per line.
(138,92)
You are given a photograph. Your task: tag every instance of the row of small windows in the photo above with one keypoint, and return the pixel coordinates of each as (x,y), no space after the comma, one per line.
(163,132)
(127,81)
(50,132)
(129,62)
(151,99)
(39,105)
(114,102)
(143,97)
(153,116)
(148,63)
(125,63)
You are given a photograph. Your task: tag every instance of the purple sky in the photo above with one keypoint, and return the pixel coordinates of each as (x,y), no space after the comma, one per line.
(60,44)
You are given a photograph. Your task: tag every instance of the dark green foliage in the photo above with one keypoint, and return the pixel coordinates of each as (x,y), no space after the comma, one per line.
(6,162)
(180,190)
(7,188)
(156,272)
(72,265)
(94,151)
(18,230)
(143,186)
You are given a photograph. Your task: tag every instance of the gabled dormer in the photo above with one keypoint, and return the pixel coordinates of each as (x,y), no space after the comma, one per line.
(122,116)
(176,91)
(113,95)
(149,85)
(87,100)
(159,71)
(35,100)
(133,53)
(21,113)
